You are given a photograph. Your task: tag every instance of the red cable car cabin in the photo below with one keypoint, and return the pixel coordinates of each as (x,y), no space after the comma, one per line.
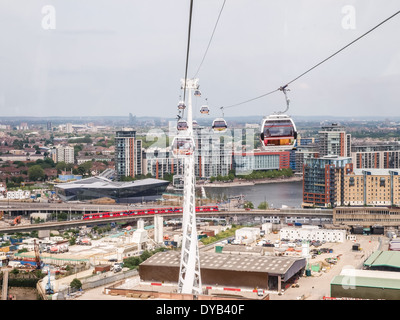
(278,132)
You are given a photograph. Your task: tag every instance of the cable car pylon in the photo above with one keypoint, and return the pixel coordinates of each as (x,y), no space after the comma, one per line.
(189,273)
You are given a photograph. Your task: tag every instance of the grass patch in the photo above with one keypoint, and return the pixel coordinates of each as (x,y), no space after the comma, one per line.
(221,235)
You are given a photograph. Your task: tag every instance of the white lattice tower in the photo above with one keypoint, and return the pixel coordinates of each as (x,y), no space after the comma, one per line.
(189,273)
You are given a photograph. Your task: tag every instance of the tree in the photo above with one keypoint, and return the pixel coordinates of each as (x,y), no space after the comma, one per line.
(35,173)
(85,167)
(248,205)
(263,205)
(145,255)
(63,166)
(76,284)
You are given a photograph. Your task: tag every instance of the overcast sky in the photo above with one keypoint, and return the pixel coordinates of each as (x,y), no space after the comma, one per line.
(115,57)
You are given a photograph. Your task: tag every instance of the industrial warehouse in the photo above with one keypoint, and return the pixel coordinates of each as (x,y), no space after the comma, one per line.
(247,271)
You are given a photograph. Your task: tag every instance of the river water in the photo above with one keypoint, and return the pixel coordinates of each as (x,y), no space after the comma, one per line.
(276,194)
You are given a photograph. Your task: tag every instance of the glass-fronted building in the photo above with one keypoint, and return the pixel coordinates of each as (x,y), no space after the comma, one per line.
(122,192)
(323,180)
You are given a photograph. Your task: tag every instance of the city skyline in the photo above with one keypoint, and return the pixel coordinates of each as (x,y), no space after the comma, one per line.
(128,57)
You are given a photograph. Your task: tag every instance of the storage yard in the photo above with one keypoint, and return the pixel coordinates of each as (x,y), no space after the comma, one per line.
(256,263)
(325,263)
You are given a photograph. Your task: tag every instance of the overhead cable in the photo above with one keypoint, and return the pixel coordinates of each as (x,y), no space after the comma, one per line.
(188,47)
(315,66)
(209,42)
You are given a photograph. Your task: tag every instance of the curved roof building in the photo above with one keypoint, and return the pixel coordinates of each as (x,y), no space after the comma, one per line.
(122,192)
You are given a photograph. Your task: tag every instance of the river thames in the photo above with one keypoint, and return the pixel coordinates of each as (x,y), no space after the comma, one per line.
(276,194)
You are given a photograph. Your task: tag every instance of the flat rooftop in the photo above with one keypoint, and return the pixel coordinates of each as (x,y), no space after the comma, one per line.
(233,262)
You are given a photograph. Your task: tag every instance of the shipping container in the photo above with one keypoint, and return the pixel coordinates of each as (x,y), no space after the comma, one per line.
(218,249)
(357,230)
(19,240)
(209,233)
(378,229)
(102,268)
(171,243)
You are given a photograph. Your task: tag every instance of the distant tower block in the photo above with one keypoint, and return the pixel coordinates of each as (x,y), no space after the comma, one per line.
(140,224)
(158,229)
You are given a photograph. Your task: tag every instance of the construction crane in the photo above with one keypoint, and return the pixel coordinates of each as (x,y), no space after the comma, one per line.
(49,287)
(37,255)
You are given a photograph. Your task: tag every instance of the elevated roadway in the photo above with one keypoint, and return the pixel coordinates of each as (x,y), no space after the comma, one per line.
(231,215)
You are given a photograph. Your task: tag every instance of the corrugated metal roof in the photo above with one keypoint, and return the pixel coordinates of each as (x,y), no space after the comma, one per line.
(348,282)
(270,264)
(384,259)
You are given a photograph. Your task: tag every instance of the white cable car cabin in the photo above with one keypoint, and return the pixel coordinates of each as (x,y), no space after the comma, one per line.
(195,124)
(183,146)
(181,105)
(182,125)
(219,125)
(204,110)
(278,132)
(197,93)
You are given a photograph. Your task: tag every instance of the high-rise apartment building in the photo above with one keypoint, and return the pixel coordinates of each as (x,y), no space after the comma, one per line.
(69,128)
(379,156)
(377,187)
(213,153)
(160,161)
(333,140)
(323,180)
(63,154)
(213,157)
(128,154)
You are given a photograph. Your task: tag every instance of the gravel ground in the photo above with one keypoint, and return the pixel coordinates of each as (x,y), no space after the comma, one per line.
(318,285)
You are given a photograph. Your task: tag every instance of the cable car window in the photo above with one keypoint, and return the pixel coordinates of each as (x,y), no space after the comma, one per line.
(219,124)
(278,131)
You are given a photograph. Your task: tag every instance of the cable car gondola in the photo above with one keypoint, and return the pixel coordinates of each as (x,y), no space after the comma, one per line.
(182,125)
(181,105)
(197,93)
(219,125)
(204,110)
(278,132)
(183,146)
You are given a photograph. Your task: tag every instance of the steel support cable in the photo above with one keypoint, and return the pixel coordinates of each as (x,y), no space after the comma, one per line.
(346,46)
(188,47)
(283,88)
(209,42)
